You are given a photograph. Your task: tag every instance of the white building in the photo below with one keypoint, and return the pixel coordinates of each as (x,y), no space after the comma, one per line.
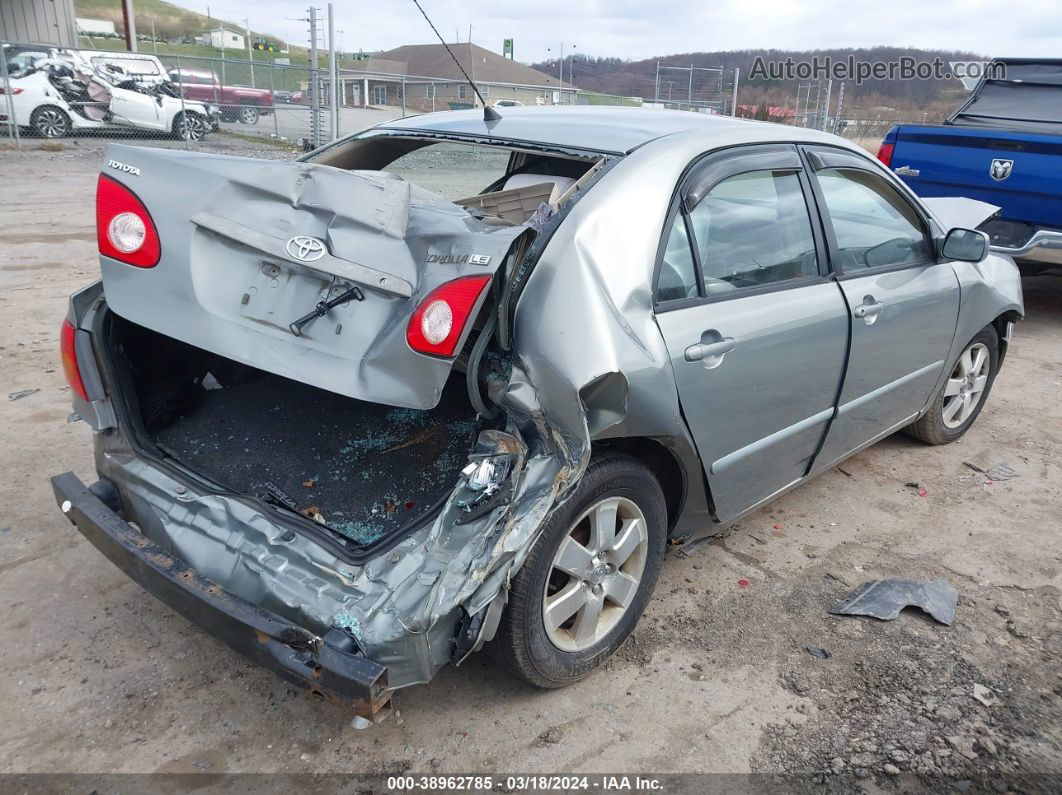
(95,27)
(224,39)
(38,21)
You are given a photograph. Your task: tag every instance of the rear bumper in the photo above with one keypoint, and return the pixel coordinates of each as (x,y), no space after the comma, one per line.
(1044,246)
(330,667)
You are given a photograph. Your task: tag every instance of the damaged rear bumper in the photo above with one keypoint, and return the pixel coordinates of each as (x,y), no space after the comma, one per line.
(330,667)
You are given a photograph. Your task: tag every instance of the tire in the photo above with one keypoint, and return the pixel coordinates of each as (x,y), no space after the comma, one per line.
(947,418)
(557,657)
(188,126)
(248,114)
(49,121)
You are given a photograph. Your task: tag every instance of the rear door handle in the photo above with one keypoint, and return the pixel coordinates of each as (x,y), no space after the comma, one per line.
(709,350)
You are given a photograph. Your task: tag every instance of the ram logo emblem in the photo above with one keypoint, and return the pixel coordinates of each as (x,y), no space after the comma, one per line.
(1000,169)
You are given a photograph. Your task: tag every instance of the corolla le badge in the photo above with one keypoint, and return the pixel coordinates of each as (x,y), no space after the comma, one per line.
(1000,169)
(305,249)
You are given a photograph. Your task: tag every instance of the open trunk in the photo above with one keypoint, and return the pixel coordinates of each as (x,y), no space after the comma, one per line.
(366,470)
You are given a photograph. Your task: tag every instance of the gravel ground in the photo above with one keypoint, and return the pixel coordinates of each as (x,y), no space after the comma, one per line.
(101,678)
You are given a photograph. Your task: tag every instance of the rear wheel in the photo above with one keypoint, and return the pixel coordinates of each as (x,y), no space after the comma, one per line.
(49,121)
(588,578)
(961,398)
(248,114)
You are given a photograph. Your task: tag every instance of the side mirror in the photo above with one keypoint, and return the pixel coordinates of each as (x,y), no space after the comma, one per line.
(965,245)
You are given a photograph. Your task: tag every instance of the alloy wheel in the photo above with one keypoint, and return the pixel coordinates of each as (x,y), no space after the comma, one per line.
(51,123)
(190,128)
(966,385)
(595,574)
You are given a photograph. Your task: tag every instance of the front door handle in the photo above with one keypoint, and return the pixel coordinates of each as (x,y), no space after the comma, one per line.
(869,309)
(710,350)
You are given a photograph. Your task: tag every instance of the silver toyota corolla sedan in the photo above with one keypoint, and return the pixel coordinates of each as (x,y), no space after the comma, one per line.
(451,382)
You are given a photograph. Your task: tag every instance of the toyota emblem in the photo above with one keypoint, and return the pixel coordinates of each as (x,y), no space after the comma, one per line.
(305,249)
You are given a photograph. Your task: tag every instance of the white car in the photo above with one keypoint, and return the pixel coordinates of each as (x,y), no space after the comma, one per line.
(508,103)
(57,91)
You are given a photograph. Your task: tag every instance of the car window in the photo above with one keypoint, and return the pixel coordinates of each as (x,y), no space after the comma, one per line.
(677,279)
(753,229)
(18,65)
(873,224)
(453,171)
(135,67)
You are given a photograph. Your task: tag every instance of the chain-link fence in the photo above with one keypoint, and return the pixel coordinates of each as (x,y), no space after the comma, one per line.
(54,93)
(51,92)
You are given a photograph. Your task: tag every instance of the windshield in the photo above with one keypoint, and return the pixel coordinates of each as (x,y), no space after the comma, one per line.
(452,170)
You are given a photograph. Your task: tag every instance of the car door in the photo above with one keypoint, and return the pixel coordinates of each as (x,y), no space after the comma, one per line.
(756,331)
(904,303)
(134,108)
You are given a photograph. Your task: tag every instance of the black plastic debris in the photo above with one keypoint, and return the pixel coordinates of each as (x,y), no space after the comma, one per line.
(885,599)
(815,651)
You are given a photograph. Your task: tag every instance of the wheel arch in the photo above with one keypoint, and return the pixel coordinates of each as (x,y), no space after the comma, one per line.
(661,461)
(1000,324)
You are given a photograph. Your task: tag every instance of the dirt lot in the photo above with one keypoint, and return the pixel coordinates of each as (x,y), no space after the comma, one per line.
(100,677)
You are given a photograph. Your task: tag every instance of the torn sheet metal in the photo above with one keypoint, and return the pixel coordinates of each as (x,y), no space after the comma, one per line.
(958,212)
(885,599)
(251,246)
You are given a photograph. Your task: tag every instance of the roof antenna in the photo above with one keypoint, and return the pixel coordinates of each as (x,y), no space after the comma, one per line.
(489,113)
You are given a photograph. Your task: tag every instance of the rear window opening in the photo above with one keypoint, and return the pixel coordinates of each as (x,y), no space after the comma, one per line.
(494,180)
(365,470)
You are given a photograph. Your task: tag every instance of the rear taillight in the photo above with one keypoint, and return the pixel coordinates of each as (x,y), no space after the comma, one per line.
(885,153)
(439,320)
(124,228)
(14,91)
(68,356)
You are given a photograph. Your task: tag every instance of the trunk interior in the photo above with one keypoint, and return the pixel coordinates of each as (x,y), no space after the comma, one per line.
(369,470)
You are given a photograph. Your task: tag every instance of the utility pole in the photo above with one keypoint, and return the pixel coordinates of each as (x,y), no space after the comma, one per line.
(129,19)
(656,85)
(333,75)
(315,85)
(154,43)
(247,29)
(733,97)
(690,97)
(826,114)
(840,107)
(472,65)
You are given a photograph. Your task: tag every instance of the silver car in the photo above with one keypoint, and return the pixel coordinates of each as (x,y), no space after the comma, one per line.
(448,382)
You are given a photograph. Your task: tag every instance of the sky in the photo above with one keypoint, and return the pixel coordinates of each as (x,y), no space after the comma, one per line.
(646,28)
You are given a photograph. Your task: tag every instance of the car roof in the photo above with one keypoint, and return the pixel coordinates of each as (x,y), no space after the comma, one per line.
(603,129)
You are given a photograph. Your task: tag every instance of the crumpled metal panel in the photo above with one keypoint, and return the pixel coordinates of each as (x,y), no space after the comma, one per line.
(959,212)
(234,293)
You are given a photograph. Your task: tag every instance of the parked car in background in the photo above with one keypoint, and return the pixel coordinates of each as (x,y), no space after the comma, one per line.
(284,97)
(1002,146)
(236,103)
(56,91)
(508,103)
(437,385)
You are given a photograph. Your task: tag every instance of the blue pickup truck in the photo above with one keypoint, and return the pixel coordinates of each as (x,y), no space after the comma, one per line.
(1003,147)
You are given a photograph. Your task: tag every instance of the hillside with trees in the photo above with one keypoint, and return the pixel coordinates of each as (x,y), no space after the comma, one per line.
(637,78)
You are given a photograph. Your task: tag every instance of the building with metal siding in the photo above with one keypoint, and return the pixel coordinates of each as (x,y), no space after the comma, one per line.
(38,21)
